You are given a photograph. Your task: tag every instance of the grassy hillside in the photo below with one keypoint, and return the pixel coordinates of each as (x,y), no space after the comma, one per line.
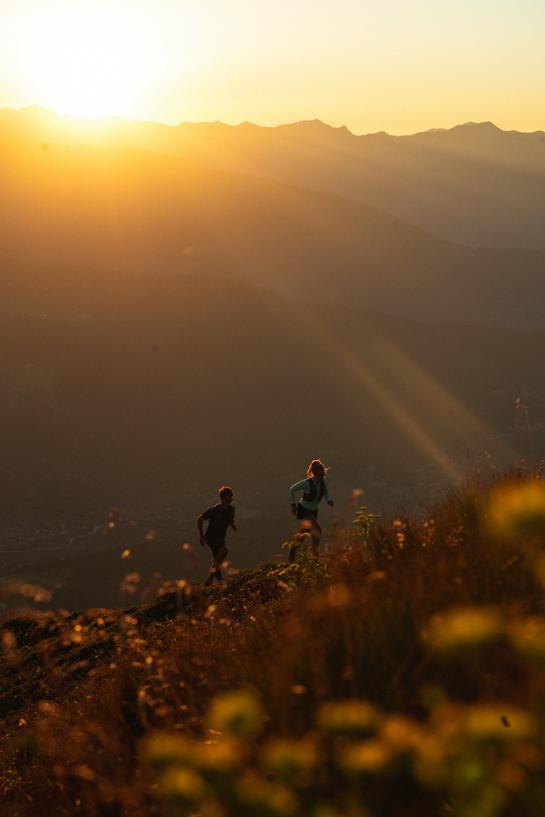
(399,674)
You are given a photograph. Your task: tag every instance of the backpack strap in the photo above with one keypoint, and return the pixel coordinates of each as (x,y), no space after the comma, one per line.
(310,495)
(322,490)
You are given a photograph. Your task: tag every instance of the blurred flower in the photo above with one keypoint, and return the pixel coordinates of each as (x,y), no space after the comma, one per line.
(352,716)
(455,723)
(464,627)
(218,756)
(268,799)
(400,733)
(165,749)
(182,784)
(288,759)
(499,722)
(517,511)
(370,756)
(528,636)
(237,713)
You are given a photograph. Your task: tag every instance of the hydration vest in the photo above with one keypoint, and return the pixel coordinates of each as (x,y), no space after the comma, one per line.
(313,489)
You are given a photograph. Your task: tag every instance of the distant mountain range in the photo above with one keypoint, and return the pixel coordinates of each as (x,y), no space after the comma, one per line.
(94,204)
(472,184)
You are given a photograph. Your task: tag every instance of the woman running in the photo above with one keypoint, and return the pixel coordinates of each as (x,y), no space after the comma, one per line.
(314,489)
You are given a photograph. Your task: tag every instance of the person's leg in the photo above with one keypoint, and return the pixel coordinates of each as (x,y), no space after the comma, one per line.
(303,526)
(214,573)
(211,574)
(308,523)
(315,534)
(220,555)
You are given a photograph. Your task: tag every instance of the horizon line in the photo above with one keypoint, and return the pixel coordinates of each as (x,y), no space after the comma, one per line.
(108,118)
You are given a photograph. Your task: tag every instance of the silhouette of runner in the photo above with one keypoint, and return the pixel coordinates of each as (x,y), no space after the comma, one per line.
(219,518)
(314,489)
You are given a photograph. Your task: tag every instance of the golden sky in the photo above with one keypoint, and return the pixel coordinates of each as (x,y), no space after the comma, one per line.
(372,65)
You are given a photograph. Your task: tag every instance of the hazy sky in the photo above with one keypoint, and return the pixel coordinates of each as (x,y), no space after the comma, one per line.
(396,65)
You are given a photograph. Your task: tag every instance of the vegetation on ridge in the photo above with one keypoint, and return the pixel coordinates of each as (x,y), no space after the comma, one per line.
(399,674)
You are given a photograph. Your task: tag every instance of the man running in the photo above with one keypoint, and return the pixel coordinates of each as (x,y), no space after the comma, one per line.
(219,518)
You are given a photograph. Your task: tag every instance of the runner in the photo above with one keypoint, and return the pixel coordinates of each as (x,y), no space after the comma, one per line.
(219,517)
(314,489)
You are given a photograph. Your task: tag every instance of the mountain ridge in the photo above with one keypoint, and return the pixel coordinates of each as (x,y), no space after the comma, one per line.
(40,110)
(109,206)
(472,184)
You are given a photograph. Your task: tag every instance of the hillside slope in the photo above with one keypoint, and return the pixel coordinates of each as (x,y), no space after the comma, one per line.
(147,392)
(398,674)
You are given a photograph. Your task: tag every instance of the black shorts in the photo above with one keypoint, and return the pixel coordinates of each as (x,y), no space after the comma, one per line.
(306,513)
(216,545)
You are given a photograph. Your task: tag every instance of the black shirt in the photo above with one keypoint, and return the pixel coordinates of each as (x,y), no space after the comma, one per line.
(218,522)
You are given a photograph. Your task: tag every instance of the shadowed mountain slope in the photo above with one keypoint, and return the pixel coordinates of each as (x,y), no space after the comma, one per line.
(93,205)
(473,184)
(147,392)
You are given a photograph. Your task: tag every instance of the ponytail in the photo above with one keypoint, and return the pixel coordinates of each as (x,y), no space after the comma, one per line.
(314,466)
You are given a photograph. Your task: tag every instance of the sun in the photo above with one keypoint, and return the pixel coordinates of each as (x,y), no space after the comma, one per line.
(91,61)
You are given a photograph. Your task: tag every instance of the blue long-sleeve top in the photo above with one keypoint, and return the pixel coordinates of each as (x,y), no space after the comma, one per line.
(305,487)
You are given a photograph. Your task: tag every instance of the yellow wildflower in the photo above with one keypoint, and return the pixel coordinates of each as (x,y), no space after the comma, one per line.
(237,713)
(370,756)
(287,759)
(344,717)
(517,511)
(464,627)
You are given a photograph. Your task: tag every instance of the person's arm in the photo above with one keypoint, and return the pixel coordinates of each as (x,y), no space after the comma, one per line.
(232,522)
(297,486)
(200,521)
(326,493)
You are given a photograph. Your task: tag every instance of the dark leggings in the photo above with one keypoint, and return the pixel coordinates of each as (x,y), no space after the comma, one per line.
(220,552)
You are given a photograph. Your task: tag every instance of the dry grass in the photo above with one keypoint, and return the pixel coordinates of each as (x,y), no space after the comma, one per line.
(379,618)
